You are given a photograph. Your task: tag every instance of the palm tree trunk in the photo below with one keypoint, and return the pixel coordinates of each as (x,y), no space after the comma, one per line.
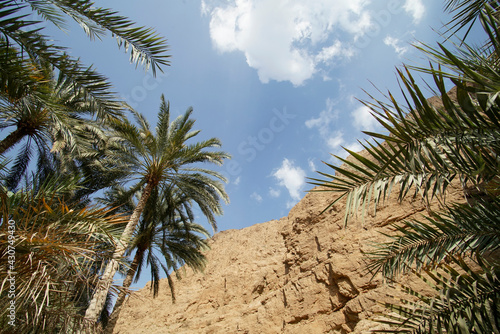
(12,138)
(102,288)
(121,296)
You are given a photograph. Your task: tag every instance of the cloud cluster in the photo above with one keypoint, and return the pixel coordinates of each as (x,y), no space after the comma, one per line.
(291,40)
(415,8)
(396,44)
(274,192)
(256,197)
(362,120)
(286,39)
(237,181)
(292,177)
(325,122)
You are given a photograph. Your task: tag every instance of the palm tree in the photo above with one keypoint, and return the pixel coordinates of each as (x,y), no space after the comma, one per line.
(425,149)
(35,104)
(66,119)
(61,113)
(60,124)
(22,44)
(156,161)
(51,247)
(167,229)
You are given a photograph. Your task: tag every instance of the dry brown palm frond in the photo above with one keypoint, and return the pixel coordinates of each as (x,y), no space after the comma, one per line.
(54,252)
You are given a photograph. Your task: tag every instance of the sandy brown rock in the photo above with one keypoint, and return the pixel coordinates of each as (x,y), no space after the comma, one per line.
(304,273)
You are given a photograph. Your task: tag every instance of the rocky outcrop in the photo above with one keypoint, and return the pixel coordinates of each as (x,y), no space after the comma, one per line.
(304,273)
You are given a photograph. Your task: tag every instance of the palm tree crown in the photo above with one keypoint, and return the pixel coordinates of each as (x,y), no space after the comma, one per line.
(156,162)
(26,41)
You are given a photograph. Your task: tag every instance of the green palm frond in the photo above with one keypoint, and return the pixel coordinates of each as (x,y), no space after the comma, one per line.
(465,299)
(177,246)
(26,42)
(426,148)
(31,44)
(159,161)
(62,120)
(146,46)
(165,239)
(18,76)
(165,154)
(163,127)
(205,192)
(468,63)
(466,12)
(463,230)
(54,240)
(48,12)
(20,166)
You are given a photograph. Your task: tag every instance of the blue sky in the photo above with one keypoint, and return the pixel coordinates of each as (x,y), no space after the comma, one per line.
(275,80)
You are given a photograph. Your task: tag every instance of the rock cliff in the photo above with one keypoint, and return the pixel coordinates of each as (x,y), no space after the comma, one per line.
(304,273)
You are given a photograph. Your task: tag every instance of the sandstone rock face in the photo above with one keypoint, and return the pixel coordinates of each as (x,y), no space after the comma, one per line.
(304,273)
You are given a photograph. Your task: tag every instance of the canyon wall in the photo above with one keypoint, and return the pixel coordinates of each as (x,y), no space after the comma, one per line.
(304,273)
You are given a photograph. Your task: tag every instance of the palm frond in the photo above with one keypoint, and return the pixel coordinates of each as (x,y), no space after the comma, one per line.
(466,63)
(146,46)
(465,13)
(162,165)
(41,51)
(464,300)
(48,12)
(163,127)
(20,166)
(54,241)
(426,148)
(463,230)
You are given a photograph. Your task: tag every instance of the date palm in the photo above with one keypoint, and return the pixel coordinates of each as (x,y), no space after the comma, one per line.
(156,161)
(43,111)
(60,124)
(23,45)
(165,239)
(52,247)
(425,148)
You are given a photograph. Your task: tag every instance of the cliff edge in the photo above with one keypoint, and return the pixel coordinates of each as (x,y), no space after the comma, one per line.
(304,273)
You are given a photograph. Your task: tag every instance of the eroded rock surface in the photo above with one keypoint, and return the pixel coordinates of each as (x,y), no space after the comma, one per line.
(304,273)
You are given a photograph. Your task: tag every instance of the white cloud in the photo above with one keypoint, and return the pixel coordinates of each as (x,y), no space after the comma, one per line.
(325,118)
(312,165)
(338,144)
(335,141)
(363,119)
(396,44)
(256,197)
(237,181)
(204,8)
(335,50)
(324,123)
(291,177)
(286,40)
(416,9)
(274,192)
